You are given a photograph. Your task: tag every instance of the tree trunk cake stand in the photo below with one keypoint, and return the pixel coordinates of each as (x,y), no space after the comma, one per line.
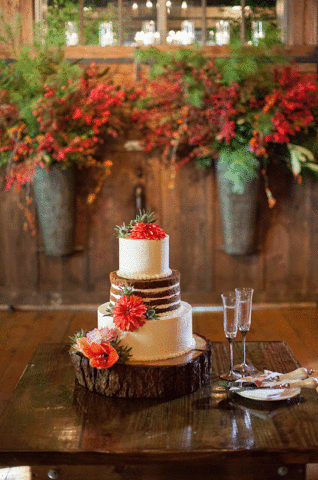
(171,378)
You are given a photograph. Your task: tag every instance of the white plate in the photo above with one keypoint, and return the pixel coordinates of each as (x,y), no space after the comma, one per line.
(270,394)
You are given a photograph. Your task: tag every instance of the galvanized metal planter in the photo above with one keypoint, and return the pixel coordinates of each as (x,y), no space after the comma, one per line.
(54,195)
(238,213)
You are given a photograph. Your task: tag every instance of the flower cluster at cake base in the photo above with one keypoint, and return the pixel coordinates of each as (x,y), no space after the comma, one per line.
(101,346)
(143,227)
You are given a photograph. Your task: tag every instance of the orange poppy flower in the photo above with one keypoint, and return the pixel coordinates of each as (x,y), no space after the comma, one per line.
(99,355)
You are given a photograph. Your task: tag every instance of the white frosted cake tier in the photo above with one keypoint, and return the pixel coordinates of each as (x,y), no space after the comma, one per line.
(167,337)
(143,259)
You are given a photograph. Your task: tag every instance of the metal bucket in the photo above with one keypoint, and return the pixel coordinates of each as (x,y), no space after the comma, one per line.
(54,195)
(238,213)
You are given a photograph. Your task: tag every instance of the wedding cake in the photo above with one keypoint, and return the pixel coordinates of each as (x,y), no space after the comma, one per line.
(144,273)
(144,345)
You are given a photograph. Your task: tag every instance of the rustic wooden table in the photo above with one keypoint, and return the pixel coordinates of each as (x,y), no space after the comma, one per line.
(50,421)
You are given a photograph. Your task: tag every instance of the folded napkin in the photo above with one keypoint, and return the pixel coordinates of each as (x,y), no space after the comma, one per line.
(268,379)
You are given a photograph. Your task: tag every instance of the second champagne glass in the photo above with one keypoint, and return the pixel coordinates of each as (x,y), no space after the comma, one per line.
(244,298)
(230,329)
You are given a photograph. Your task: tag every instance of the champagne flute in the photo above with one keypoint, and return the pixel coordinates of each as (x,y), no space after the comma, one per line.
(244,298)
(230,324)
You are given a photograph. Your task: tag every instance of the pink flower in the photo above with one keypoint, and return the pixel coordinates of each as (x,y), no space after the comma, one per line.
(102,335)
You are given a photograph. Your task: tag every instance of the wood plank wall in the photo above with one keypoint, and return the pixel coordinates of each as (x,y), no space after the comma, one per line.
(283,268)
(11,9)
(301,22)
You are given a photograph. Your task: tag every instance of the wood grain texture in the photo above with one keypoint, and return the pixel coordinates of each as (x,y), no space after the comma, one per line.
(51,421)
(168,379)
(21,331)
(283,267)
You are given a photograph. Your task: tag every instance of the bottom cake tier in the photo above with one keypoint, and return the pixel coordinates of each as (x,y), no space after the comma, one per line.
(166,379)
(163,338)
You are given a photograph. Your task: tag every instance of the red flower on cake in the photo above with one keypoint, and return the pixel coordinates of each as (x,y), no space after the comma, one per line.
(100,355)
(147,231)
(129,313)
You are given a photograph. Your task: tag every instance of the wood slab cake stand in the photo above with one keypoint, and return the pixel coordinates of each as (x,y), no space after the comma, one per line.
(171,378)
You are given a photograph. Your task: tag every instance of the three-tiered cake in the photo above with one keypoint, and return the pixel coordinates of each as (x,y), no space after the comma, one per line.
(144,345)
(144,265)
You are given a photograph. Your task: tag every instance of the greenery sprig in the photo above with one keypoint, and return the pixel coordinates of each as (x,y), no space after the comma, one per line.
(74,338)
(123,352)
(144,216)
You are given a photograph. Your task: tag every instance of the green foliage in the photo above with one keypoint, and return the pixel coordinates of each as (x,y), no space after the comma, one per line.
(26,77)
(301,157)
(109,311)
(33,67)
(122,231)
(151,313)
(240,166)
(159,60)
(249,61)
(124,353)
(77,336)
(62,11)
(127,289)
(204,162)
(143,217)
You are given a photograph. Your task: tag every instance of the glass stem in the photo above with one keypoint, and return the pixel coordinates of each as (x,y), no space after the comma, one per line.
(231,354)
(244,347)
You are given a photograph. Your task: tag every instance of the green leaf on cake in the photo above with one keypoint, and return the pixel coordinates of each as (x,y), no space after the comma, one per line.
(122,231)
(151,313)
(144,217)
(109,311)
(80,334)
(123,352)
(127,289)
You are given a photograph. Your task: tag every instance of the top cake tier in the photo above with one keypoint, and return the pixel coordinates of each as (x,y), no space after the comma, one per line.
(143,259)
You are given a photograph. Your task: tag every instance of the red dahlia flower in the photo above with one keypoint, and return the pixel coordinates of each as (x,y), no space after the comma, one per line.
(100,355)
(147,231)
(129,313)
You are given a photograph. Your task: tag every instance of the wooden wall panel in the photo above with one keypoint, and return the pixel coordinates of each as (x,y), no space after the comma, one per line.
(311,22)
(19,259)
(298,19)
(313,219)
(285,268)
(11,9)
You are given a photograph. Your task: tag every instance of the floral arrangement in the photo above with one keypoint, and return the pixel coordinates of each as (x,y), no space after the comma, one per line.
(74,117)
(102,346)
(243,117)
(130,311)
(143,227)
